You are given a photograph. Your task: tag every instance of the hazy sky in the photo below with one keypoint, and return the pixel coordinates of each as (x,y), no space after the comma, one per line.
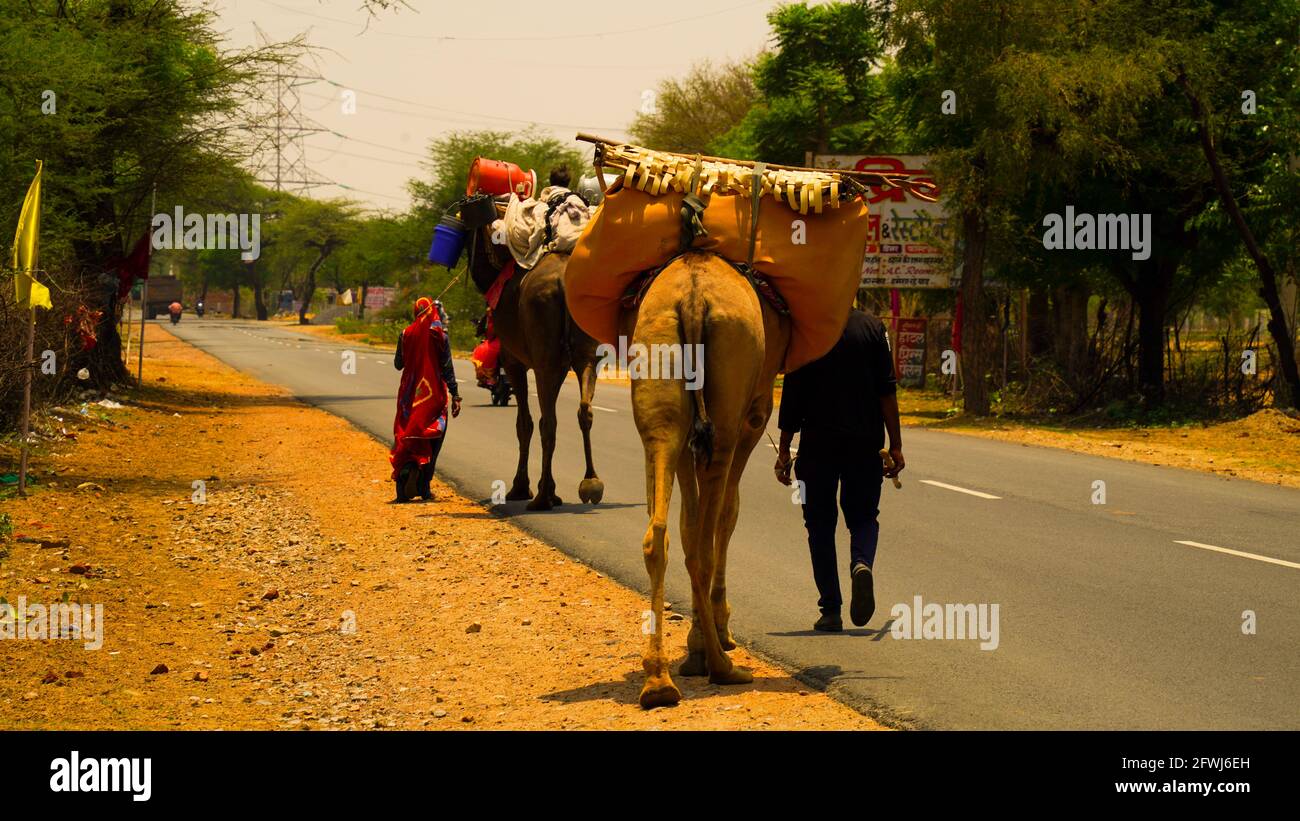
(445,66)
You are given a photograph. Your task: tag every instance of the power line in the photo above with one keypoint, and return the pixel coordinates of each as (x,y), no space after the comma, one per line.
(403,163)
(364,191)
(533,38)
(476,116)
(376,145)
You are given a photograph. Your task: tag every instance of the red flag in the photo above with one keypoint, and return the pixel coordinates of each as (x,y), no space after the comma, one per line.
(134,265)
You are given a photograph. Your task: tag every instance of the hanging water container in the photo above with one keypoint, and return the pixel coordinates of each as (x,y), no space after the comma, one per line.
(497,177)
(448,242)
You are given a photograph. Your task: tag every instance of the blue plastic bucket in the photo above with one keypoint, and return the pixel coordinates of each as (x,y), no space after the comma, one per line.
(448,242)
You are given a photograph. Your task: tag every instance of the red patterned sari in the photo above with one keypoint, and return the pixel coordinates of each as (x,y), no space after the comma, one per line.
(422,398)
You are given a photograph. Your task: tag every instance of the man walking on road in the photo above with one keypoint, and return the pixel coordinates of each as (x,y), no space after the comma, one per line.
(841,406)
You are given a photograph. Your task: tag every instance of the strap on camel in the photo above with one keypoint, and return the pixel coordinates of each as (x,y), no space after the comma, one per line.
(636,290)
(756,199)
(693,211)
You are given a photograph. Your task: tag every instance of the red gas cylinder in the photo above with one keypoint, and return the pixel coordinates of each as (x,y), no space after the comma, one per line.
(497,177)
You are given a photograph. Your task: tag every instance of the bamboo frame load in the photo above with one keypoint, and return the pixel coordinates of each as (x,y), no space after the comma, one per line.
(802,189)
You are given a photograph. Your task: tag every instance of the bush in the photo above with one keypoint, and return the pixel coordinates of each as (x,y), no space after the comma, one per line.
(55,331)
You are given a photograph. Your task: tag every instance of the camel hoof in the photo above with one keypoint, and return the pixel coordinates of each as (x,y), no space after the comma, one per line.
(540,503)
(695,665)
(659,693)
(736,675)
(725,639)
(519,493)
(591,491)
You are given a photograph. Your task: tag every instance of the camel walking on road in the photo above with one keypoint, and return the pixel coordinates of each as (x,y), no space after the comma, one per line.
(704,438)
(538,334)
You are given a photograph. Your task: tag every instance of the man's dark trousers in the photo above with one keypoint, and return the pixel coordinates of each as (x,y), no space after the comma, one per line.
(858,473)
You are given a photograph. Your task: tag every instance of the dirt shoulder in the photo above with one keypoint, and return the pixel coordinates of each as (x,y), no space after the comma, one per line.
(1262,447)
(294,596)
(332,333)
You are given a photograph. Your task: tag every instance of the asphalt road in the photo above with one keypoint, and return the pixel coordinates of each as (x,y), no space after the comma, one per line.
(1106,619)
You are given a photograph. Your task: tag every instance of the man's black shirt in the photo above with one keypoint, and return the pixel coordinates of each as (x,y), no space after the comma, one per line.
(835,401)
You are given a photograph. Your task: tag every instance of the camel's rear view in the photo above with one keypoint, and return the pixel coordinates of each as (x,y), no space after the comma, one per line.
(704,438)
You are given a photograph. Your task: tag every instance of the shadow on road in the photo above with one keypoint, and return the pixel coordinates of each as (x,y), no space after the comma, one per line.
(628,690)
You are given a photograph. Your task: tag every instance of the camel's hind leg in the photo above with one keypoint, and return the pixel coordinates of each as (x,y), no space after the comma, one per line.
(700,564)
(661,454)
(695,664)
(750,435)
(518,375)
(591,489)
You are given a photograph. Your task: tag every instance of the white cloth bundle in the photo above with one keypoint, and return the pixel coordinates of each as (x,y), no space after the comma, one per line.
(525,221)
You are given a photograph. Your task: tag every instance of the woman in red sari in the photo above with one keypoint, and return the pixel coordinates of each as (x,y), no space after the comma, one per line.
(424,358)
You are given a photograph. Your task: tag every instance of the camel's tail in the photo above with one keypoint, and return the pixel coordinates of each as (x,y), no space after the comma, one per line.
(691,321)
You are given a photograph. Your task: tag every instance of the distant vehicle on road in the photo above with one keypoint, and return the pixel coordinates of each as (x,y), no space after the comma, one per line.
(161,292)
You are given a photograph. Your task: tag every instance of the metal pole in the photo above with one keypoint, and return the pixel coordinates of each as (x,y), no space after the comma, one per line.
(144,309)
(126,320)
(144,292)
(28,363)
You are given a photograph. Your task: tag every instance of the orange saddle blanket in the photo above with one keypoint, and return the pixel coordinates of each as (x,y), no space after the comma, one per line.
(814,260)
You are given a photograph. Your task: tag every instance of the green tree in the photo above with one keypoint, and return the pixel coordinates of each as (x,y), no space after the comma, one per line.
(1237,65)
(694,113)
(1033,93)
(305,235)
(819,87)
(384,248)
(119,97)
(451,156)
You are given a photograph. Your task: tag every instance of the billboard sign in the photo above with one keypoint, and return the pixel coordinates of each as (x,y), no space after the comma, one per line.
(909,351)
(911,240)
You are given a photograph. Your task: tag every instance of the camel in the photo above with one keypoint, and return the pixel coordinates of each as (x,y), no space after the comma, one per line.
(704,438)
(538,334)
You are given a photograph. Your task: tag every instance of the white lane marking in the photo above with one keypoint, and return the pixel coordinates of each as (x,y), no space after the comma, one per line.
(978,493)
(606,410)
(1240,553)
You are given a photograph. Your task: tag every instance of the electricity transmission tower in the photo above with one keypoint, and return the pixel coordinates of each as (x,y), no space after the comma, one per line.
(280,155)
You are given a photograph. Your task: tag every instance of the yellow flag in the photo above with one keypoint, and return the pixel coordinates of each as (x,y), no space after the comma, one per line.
(26,243)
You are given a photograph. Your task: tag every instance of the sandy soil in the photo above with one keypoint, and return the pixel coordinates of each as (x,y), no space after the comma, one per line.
(294,596)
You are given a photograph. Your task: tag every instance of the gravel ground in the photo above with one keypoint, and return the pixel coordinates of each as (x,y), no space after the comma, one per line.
(291,594)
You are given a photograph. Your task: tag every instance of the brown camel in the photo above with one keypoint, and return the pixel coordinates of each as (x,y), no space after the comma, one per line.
(538,334)
(703,437)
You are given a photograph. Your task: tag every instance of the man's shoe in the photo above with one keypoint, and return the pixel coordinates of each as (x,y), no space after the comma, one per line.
(829,623)
(863,603)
